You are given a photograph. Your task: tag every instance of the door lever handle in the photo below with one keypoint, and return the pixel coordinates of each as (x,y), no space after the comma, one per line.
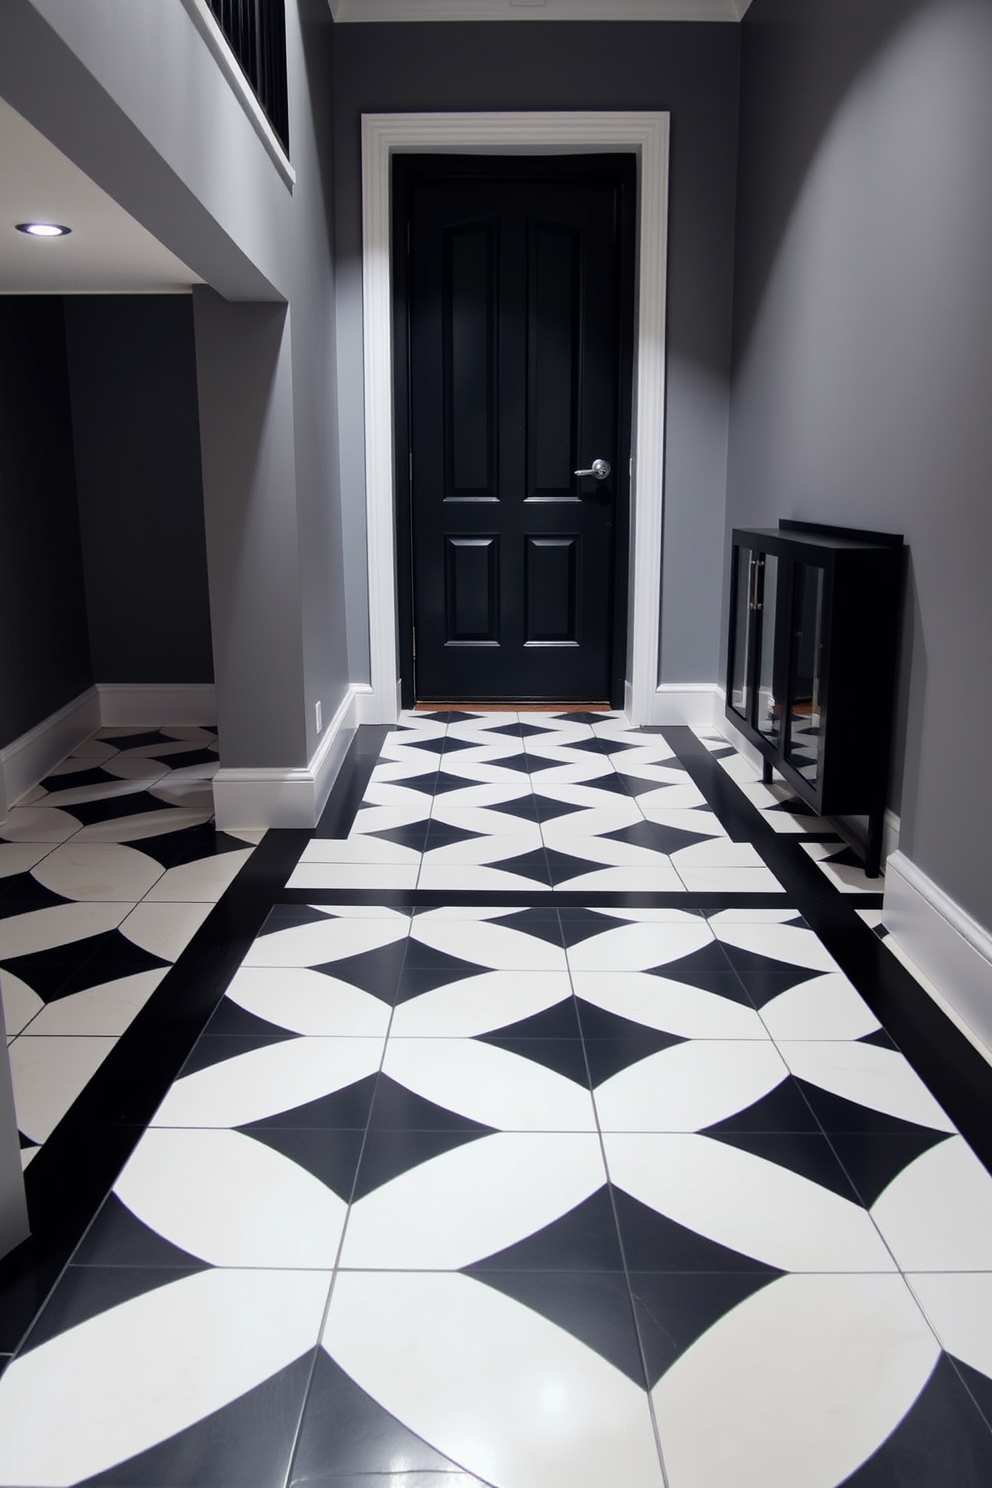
(599,470)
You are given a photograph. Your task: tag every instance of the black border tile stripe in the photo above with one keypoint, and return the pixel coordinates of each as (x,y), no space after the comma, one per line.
(952,1068)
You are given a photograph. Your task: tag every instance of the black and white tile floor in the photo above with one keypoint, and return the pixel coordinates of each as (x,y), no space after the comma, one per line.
(531,1147)
(107,870)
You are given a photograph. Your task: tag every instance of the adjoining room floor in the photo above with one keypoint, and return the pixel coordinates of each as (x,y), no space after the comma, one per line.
(564,1124)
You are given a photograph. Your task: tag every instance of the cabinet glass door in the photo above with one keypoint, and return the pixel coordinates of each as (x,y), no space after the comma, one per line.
(740,662)
(805,731)
(768,713)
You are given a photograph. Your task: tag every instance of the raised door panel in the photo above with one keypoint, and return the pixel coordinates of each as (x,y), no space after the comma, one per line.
(552,591)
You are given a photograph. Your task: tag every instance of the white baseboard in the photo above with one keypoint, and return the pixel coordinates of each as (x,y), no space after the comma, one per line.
(692,703)
(259,798)
(951,949)
(149,705)
(34,755)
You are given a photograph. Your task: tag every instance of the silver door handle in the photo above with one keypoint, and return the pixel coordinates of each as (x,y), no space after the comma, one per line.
(599,470)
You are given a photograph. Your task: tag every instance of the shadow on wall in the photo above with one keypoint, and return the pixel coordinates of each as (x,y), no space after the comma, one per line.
(823,48)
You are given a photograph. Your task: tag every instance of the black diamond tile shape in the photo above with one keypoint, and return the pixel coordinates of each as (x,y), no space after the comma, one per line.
(78,964)
(519,730)
(520,809)
(879,1039)
(86,1291)
(452,716)
(346,1109)
(424,784)
(421,956)
(673,839)
(524,763)
(211,1049)
(190,845)
(148,737)
(416,980)
(451,745)
(291,917)
(653,1242)
(805,1153)
(230,1019)
(22,894)
(644,834)
(781,1110)
(765,977)
(547,810)
(637,785)
(413,835)
(564,1056)
(191,759)
(587,746)
(586,715)
(707,969)
(396,1108)
(80,779)
(615,1043)
(618,746)
(565,866)
(388,1154)
(845,858)
(532,865)
(611,782)
(978,1385)
(330,1156)
(578,925)
(584,1239)
(347,1438)
(793,806)
(119,1238)
(837,1114)
(376,972)
(110,808)
(874,1159)
(440,834)
(673,1309)
(541,924)
(942,1439)
(248,1443)
(593,1306)
(558,1021)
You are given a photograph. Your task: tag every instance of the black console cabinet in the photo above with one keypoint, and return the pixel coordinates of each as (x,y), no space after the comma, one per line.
(811,662)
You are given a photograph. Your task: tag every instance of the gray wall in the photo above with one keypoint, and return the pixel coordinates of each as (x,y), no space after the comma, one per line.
(691,70)
(44,646)
(132,374)
(863,351)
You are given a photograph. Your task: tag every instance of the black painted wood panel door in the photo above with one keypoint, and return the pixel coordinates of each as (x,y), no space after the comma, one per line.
(518,305)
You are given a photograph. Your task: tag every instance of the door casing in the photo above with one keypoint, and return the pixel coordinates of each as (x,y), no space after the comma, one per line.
(646,136)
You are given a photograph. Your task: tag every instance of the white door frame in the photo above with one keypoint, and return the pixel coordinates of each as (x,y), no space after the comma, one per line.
(646,136)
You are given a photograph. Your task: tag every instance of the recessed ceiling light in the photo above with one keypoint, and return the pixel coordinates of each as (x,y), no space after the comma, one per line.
(43,229)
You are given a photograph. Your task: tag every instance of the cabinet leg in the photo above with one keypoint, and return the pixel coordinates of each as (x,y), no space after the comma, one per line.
(766,772)
(873,852)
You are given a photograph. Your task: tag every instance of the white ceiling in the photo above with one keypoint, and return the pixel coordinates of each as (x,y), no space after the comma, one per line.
(538,10)
(108,251)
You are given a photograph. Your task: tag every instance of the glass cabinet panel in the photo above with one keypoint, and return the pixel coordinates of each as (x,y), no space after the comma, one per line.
(740,674)
(804,741)
(768,710)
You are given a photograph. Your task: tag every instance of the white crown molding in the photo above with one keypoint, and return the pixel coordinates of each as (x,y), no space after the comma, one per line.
(156,705)
(950,948)
(205,22)
(251,799)
(345,11)
(645,135)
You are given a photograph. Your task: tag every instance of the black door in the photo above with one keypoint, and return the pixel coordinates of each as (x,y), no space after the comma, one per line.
(518,312)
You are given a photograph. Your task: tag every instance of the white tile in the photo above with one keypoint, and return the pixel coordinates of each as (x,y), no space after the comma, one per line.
(959,1307)
(164,929)
(107,1009)
(604,851)
(309,1002)
(936,1215)
(752,1206)
(881,1079)
(325,940)
(716,852)
(48,1074)
(670,1006)
(827,1007)
(497,1388)
(20,1002)
(124,766)
(231,1200)
(94,751)
(144,824)
(676,795)
(639,946)
(846,878)
(37,824)
(41,929)
(478,1004)
(69,795)
(797,1386)
(472,1201)
(166,1359)
(358,849)
(489,1085)
(456,876)
(20,857)
(489,944)
(354,876)
(703,823)
(86,870)
(783,942)
(656,878)
(708,880)
(263,1082)
(591,821)
(202,881)
(449,811)
(689,1086)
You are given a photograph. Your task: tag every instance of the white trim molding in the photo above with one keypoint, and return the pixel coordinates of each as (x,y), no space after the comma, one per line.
(537,10)
(156,705)
(693,703)
(258,798)
(646,135)
(28,759)
(951,949)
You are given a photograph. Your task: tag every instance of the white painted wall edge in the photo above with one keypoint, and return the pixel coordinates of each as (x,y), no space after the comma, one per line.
(261,798)
(28,759)
(157,705)
(951,949)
